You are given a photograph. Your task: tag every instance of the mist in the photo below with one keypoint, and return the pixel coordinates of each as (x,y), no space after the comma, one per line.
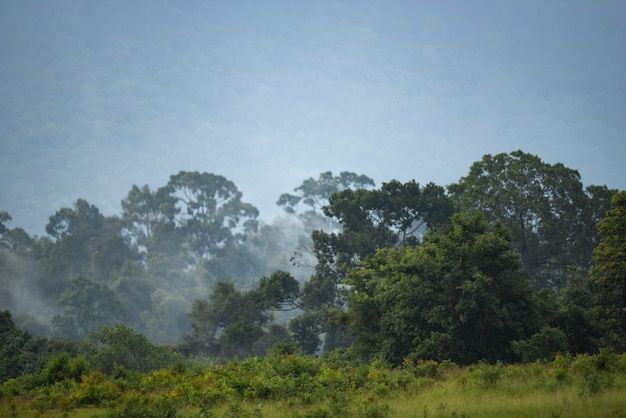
(98,96)
(90,270)
(23,293)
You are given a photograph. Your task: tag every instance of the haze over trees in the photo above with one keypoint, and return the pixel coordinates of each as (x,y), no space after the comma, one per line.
(551,216)
(515,261)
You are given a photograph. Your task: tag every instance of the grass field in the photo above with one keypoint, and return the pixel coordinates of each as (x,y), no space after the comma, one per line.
(300,386)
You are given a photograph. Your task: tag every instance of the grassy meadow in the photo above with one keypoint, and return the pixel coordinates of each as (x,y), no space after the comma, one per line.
(301,386)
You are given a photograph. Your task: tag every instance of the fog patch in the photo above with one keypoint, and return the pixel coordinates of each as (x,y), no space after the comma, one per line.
(22,293)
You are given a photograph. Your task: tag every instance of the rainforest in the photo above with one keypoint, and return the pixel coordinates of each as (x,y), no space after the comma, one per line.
(502,294)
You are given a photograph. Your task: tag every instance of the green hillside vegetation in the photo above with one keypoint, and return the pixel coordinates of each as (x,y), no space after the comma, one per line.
(284,384)
(499,294)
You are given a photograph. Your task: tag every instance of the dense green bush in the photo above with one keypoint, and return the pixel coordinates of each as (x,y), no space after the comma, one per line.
(487,375)
(541,346)
(62,367)
(599,372)
(122,346)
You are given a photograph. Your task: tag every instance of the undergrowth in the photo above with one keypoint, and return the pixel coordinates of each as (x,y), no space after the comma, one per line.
(295,385)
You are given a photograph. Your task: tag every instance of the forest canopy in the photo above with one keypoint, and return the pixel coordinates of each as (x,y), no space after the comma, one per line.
(515,261)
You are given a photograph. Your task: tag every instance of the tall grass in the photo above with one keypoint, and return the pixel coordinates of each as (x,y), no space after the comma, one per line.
(305,387)
(447,399)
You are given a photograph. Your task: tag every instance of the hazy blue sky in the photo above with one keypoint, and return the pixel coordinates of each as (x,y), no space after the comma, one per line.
(96,96)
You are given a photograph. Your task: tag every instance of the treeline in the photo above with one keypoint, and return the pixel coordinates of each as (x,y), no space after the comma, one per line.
(143,268)
(515,261)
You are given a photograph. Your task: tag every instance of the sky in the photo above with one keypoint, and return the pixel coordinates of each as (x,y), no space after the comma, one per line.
(96,96)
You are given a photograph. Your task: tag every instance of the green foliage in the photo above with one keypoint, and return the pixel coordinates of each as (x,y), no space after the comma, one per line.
(39,359)
(543,345)
(561,365)
(599,371)
(19,352)
(280,291)
(15,240)
(394,215)
(456,294)
(315,194)
(213,214)
(144,269)
(460,296)
(87,306)
(291,384)
(62,367)
(283,349)
(234,323)
(341,358)
(96,390)
(143,211)
(86,243)
(306,329)
(578,319)
(487,375)
(564,320)
(608,274)
(121,346)
(135,405)
(549,214)
(426,368)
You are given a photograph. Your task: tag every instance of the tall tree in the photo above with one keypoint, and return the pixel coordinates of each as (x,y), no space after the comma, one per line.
(75,232)
(88,306)
(460,296)
(597,205)
(4,218)
(543,205)
(314,195)
(239,323)
(143,210)
(213,213)
(20,353)
(12,342)
(86,243)
(608,274)
(387,217)
(394,215)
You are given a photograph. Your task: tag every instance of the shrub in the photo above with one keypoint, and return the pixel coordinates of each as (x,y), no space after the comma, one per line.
(541,346)
(54,396)
(294,364)
(560,367)
(598,371)
(96,390)
(62,367)
(283,348)
(486,374)
(341,358)
(124,346)
(208,390)
(422,368)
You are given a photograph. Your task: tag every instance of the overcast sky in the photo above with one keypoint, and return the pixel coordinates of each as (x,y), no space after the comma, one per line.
(96,96)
